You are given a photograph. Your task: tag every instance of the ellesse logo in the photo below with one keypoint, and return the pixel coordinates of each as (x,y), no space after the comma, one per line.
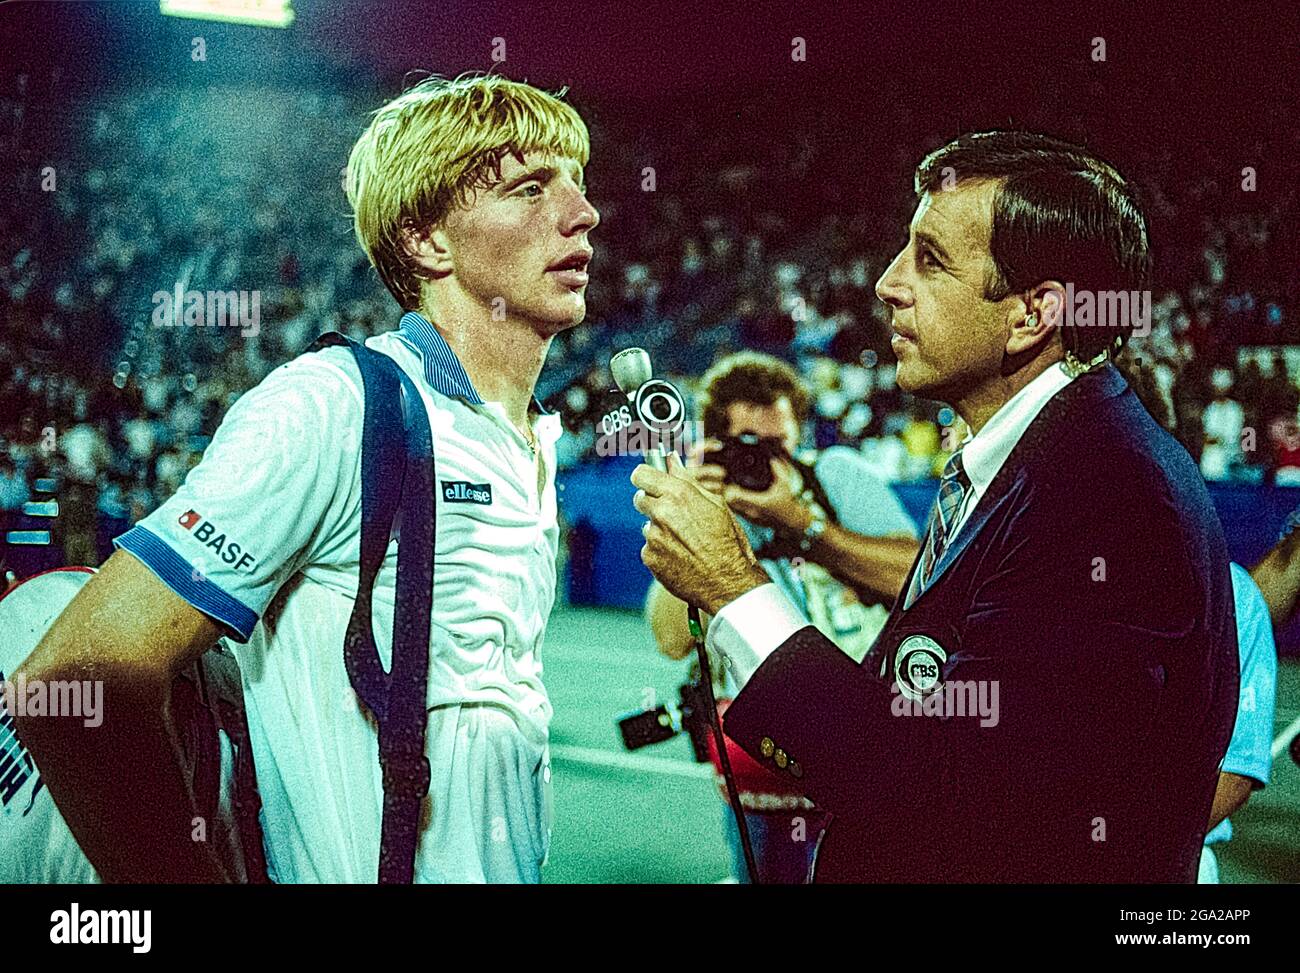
(459,491)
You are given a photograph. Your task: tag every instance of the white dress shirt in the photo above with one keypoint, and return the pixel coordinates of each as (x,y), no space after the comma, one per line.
(753,626)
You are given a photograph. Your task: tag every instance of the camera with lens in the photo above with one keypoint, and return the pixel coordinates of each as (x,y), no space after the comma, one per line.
(747,458)
(644,727)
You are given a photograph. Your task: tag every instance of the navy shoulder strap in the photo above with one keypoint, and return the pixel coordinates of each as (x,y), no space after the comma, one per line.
(396,473)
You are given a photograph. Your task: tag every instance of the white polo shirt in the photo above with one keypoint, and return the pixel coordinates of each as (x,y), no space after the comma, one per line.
(264,537)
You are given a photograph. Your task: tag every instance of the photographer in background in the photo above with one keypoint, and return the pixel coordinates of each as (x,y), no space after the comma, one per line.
(826,529)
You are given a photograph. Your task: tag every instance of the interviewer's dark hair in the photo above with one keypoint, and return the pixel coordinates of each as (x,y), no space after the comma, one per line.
(748,376)
(1059,213)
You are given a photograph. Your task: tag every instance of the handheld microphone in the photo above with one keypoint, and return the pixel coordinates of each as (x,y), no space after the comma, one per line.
(656,404)
(661,410)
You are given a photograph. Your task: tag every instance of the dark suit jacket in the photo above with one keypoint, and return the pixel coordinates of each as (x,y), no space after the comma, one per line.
(1090,585)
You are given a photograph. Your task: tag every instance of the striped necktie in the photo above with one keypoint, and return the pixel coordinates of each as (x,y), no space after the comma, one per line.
(952,491)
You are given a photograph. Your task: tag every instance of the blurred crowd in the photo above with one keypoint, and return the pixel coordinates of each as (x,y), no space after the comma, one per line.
(714,238)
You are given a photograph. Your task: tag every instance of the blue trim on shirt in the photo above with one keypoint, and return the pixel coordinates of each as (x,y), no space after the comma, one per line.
(442,369)
(179,575)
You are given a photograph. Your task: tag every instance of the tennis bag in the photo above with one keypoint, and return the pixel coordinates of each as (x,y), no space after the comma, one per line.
(36,845)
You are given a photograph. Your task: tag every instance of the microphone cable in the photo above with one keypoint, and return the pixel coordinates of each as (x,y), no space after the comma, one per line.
(733,793)
(661,410)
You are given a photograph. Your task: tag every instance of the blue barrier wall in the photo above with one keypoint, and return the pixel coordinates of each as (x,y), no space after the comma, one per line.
(605,531)
(604,564)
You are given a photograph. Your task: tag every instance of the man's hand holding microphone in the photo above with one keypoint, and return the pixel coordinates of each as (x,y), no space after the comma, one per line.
(693,545)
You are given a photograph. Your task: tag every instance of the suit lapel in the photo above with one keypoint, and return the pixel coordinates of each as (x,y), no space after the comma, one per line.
(1031,449)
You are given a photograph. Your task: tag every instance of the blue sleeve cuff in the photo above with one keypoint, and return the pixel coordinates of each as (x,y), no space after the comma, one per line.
(1255,770)
(175,572)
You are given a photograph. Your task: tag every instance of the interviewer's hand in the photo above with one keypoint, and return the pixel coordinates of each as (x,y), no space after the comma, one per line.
(711,476)
(693,544)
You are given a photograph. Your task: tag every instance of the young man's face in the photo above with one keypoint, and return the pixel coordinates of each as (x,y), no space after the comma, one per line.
(520,249)
(949,339)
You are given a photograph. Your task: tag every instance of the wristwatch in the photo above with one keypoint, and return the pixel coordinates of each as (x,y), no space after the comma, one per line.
(816,527)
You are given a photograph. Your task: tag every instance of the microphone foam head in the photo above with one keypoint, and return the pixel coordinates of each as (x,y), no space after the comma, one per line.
(631,369)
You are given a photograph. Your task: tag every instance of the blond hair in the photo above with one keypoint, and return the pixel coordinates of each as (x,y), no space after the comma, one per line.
(426,151)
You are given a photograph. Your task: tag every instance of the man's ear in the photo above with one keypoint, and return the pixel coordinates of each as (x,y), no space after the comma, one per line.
(429,248)
(1035,316)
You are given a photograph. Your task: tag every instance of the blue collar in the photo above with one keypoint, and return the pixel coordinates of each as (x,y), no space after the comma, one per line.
(442,369)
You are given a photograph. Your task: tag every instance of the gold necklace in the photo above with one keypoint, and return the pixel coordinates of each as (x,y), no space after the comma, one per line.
(530,438)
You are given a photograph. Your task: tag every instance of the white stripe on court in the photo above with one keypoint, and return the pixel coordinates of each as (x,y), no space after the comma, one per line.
(1285,737)
(639,763)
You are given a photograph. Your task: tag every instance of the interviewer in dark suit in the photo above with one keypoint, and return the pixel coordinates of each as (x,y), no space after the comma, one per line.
(1055,688)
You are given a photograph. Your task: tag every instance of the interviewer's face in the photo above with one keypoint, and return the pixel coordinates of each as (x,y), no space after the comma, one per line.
(506,242)
(948,338)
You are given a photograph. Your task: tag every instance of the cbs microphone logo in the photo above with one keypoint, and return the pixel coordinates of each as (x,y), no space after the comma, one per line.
(659,407)
(653,421)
